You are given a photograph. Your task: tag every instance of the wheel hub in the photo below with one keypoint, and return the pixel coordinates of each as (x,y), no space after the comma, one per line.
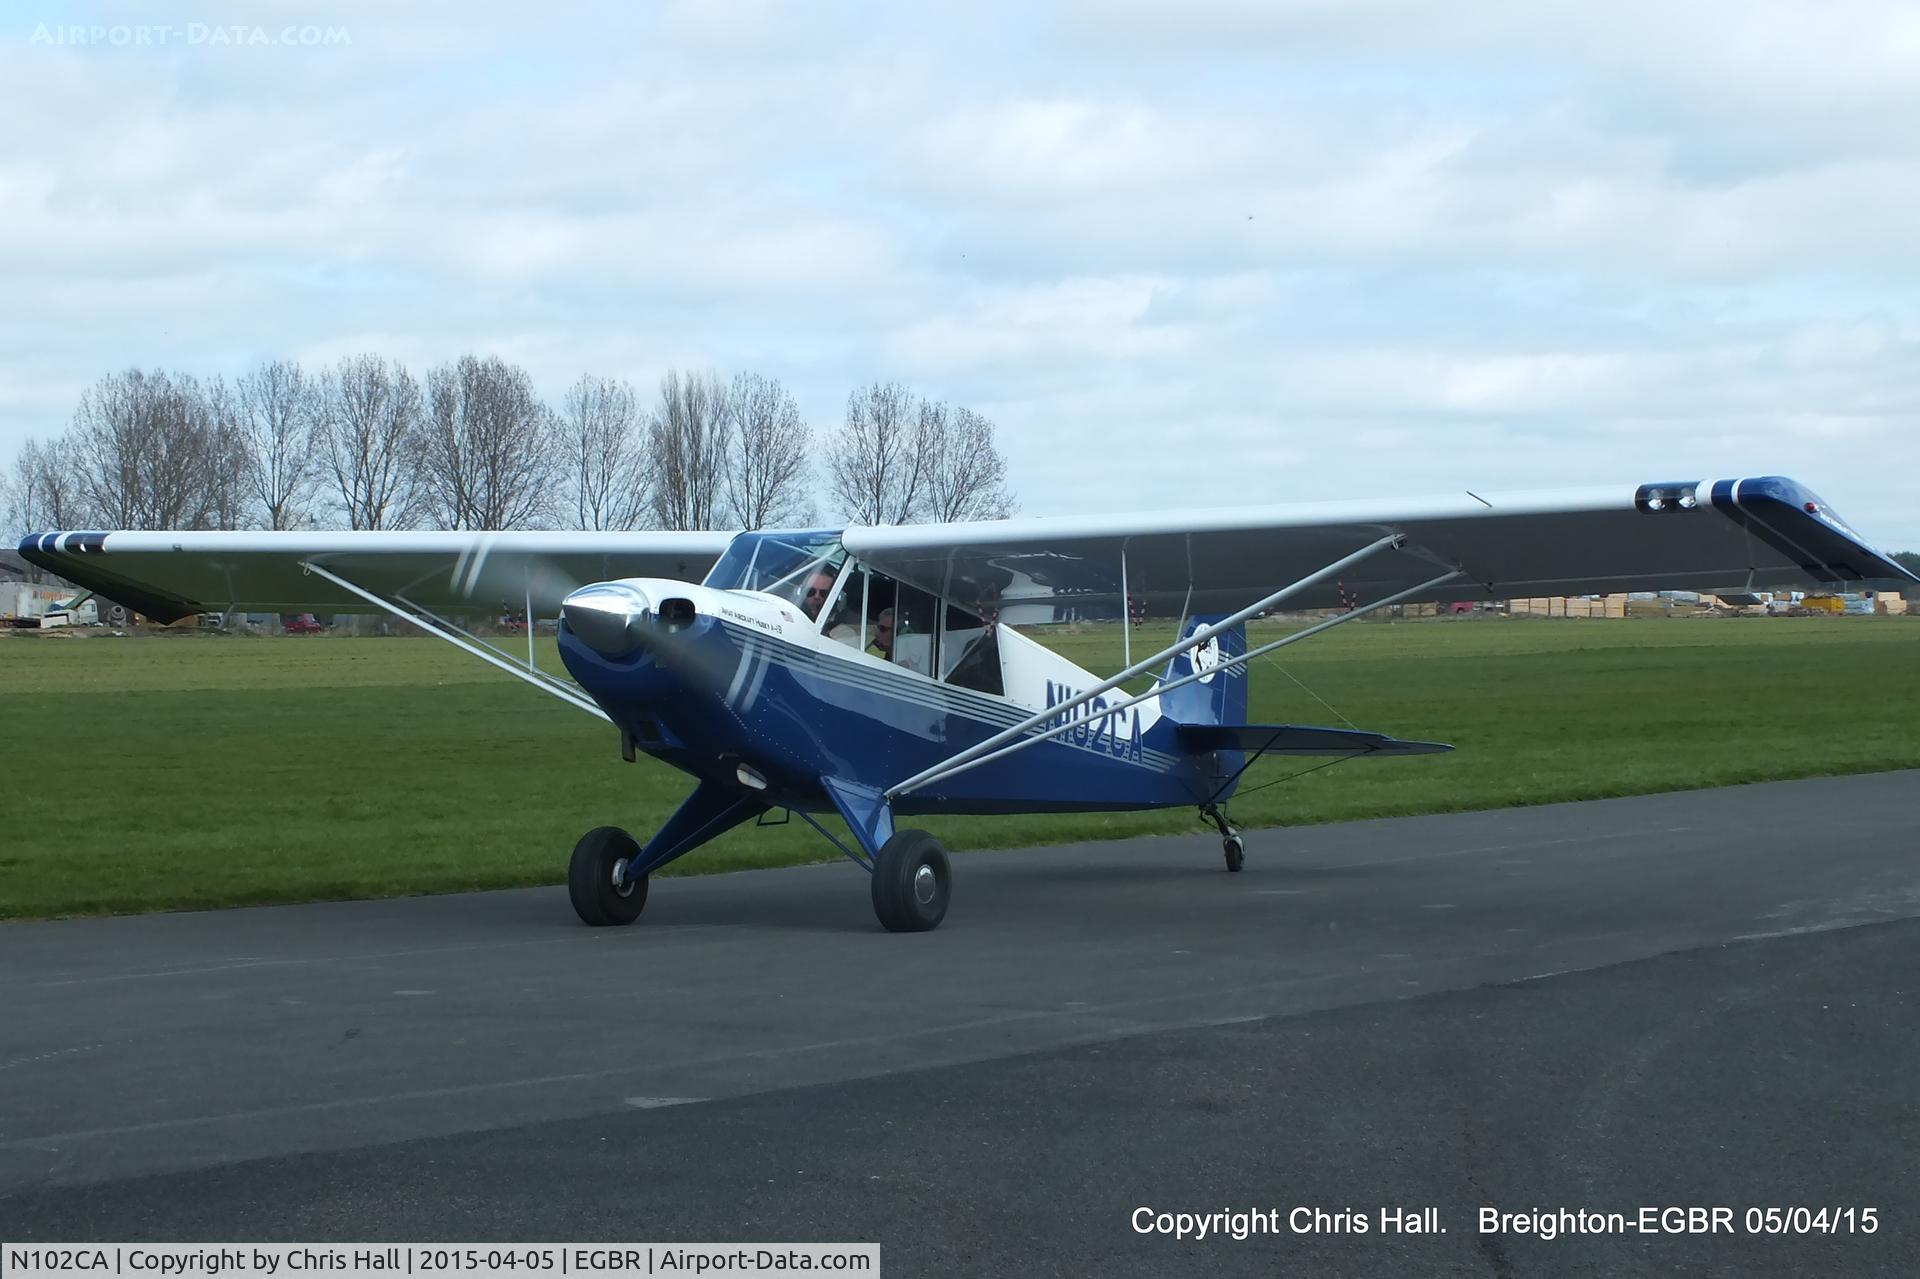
(925,885)
(620,884)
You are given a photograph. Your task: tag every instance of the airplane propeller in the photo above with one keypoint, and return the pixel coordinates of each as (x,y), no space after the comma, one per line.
(616,620)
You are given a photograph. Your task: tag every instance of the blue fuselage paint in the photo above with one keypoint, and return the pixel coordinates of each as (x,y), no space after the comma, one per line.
(719,694)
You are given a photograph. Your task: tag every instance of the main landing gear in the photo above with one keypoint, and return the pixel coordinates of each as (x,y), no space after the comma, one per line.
(1231,844)
(607,878)
(597,880)
(911,883)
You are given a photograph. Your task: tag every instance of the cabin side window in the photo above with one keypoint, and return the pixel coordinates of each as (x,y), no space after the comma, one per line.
(970,652)
(915,616)
(846,618)
(914,629)
(864,613)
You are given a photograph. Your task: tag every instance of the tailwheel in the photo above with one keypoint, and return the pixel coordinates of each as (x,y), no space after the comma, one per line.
(1231,844)
(911,883)
(597,880)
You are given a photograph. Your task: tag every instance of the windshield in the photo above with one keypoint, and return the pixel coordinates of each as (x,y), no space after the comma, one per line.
(781,564)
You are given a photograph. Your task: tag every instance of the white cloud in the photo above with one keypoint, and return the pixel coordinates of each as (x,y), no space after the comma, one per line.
(1101,321)
(1366,246)
(1049,148)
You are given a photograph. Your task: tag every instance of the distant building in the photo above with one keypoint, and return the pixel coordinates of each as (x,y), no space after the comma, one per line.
(33,605)
(28,596)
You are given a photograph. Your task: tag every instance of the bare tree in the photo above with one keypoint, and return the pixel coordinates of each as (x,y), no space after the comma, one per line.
(770,462)
(966,475)
(369,412)
(142,450)
(487,457)
(272,414)
(611,484)
(876,462)
(229,461)
(687,450)
(42,493)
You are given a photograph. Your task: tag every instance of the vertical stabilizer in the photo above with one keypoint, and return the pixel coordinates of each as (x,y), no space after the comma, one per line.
(1219,696)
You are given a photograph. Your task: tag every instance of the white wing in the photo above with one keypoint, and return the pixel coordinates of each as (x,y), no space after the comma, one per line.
(168,575)
(1693,534)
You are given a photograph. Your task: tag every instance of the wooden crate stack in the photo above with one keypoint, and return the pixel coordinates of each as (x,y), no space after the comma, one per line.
(1576,606)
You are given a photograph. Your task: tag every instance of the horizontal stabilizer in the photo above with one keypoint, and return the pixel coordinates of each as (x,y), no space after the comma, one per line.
(1298,739)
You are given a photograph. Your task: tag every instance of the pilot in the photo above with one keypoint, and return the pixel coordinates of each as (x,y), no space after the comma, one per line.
(819,586)
(882,644)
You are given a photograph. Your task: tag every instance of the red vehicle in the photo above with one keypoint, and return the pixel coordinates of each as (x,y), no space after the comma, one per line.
(302,624)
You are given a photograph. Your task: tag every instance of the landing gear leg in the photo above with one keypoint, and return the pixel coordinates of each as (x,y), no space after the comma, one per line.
(912,882)
(1234,848)
(607,878)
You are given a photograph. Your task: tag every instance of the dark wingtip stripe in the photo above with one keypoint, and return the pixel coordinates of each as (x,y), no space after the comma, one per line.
(1725,502)
(44,551)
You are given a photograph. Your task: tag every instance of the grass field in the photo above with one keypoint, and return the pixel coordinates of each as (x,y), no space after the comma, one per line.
(186,771)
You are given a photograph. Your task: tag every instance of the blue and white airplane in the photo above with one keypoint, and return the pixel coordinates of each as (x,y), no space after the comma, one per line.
(879,673)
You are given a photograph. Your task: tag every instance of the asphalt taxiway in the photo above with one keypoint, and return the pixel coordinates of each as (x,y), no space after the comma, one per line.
(1695,998)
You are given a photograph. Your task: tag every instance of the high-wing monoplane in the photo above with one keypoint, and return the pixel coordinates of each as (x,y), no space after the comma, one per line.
(879,673)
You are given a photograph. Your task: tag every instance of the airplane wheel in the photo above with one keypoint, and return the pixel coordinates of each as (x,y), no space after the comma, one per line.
(911,883)
(1235,850)
(590,874)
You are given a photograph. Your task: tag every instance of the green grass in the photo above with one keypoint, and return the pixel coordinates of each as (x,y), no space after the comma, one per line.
(190,771)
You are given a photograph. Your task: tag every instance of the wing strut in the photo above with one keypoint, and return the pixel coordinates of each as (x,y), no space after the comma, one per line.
(953,767)
(447,623)
(978,754)
(545,683)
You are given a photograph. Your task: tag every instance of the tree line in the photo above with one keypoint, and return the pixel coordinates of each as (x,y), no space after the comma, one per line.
(365,444)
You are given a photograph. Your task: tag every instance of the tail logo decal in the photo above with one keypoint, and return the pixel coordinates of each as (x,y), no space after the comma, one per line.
(1206,660)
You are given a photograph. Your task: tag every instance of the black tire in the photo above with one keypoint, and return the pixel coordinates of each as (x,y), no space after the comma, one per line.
(590,878)
(1236,852)
(912,883)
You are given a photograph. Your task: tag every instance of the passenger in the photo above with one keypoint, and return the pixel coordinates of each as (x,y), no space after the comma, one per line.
(883,635)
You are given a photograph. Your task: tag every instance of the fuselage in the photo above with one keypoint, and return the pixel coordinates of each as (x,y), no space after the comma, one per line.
(741,688)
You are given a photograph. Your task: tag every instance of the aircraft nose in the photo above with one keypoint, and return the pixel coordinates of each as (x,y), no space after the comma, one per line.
(610,618)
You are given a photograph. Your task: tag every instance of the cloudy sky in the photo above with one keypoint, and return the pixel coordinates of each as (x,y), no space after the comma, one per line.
(1240,249)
